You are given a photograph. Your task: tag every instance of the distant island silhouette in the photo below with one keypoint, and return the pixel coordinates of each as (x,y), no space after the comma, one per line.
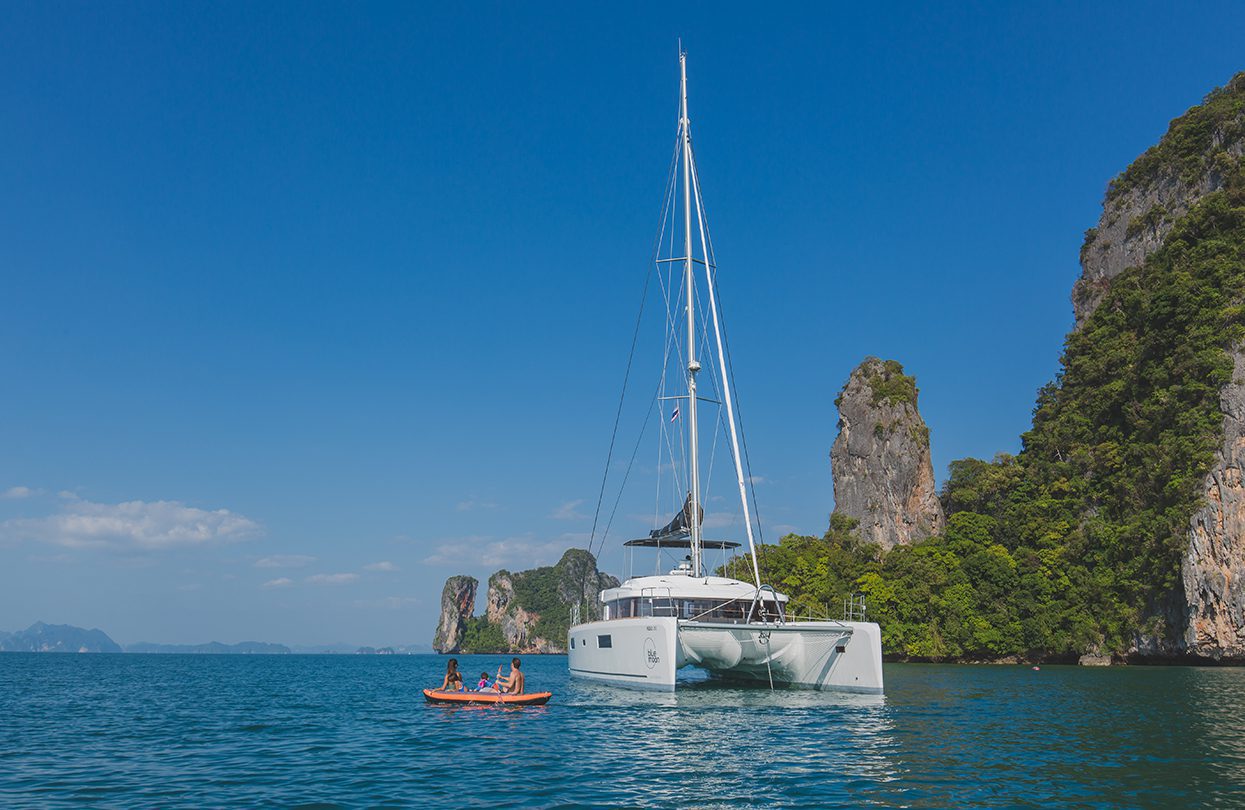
(65,638)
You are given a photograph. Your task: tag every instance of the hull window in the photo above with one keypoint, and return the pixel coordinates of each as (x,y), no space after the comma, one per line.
(605,641)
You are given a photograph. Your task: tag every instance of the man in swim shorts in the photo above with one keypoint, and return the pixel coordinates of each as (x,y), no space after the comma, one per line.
(512,684)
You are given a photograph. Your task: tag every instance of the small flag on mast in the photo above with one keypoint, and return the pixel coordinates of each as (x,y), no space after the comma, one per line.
(675,415)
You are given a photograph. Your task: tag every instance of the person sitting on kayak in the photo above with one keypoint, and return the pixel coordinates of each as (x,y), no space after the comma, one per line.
(483,685)
(453,678)
(512,684)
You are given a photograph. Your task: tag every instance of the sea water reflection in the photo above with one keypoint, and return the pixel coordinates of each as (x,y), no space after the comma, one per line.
(352,731)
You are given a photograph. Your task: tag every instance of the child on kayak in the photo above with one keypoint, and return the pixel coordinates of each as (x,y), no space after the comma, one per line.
(483,685)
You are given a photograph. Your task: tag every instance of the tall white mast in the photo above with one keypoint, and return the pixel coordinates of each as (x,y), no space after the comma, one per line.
(692,365)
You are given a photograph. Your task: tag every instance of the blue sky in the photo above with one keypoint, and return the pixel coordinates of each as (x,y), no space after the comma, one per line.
(307,307)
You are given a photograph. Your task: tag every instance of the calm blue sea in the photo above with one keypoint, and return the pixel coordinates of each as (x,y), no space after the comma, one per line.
(354,731)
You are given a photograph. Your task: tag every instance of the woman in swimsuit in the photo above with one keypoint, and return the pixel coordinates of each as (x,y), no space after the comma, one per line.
(453,678)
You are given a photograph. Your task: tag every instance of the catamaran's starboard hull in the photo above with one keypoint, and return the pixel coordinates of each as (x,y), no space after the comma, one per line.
(645,653)
(840,656)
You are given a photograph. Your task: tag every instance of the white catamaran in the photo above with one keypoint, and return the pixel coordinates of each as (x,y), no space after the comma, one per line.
(653,626)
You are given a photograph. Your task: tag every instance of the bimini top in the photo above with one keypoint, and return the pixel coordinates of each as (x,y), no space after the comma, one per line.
(678,542)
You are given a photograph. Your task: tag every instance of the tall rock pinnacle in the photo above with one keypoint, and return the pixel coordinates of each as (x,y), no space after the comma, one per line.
(883,476)
(458,602)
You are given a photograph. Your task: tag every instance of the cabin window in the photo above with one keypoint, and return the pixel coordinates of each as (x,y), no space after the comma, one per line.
(572,643)
(605,641)
(663,607)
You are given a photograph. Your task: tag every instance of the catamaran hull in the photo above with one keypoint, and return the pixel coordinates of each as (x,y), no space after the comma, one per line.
(646,653)
(639,653)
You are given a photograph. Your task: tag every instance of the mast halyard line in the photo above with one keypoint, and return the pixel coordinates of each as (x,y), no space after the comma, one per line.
(693,366)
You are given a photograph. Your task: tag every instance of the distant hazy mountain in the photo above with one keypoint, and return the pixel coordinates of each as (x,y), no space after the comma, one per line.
(336,648)
(211,648)
(412,649)
(40,637)
(342,648)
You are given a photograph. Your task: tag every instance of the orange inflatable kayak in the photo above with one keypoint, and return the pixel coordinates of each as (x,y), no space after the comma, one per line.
(494,698)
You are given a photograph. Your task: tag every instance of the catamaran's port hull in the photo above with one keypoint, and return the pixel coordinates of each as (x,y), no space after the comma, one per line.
(646,653)
(638,653)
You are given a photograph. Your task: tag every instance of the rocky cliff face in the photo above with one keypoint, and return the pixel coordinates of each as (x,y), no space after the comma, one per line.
(883,475)
(1213,568)
(1205,616)
(458,602)
(532,608)
(526,612)
(517,624)
(1157,189)
(1134,225)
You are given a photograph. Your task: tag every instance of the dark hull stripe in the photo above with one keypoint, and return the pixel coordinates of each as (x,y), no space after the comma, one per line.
(615,674)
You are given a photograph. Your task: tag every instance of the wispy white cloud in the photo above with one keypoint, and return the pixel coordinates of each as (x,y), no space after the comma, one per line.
(279,582)
(285,561)
(18,493)
(756,479)
(487,552)
(132,525)
(567,511)
(473,505)
(383,565)
(720,520)
(330,579)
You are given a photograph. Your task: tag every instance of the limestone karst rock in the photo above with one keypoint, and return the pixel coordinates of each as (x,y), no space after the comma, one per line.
(1204,616)
(1159,187)
(517,602)
(458,601)
(1213,568)
(883,475)
(525,612)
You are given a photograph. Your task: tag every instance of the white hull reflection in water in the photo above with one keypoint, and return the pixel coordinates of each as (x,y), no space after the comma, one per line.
(650,628)
(810,736)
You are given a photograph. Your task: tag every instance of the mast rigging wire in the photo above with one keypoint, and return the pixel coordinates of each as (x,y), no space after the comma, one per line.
(635,336)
